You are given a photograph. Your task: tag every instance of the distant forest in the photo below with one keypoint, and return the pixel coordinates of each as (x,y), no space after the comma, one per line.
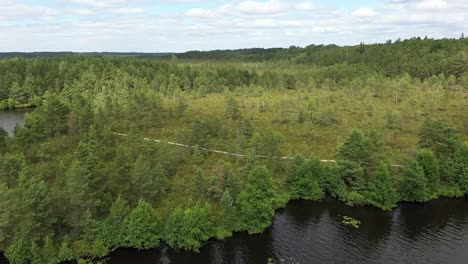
(79,180)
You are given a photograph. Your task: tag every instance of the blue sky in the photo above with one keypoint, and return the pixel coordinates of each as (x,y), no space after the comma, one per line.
(181,25)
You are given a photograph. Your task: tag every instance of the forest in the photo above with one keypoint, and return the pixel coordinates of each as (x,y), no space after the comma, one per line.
(79,180)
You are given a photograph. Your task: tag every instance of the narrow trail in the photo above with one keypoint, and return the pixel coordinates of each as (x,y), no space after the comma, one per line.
(225,152)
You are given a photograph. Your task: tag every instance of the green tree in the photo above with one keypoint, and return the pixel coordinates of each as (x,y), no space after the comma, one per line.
(459,168)
(34,205)
(3,141)
(304,180)
(231,181)
(19,251)
(123,163)
(65,252)
(413,187)
(232,108)
(77,187)
(381,191)
(438,137)
(255,202)
(86,153)
(142,225)
(229,211)
(55,113)
(189,228)
(146,181)
(11,166)
(113,231)
(354,148)
(428,161)
(200,185)
(6,204)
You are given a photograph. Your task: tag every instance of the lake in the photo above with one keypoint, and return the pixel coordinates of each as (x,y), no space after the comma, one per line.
(312,232)
(9,118)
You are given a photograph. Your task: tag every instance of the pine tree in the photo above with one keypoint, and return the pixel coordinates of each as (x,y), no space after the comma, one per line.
(414,188)
(113,229)
(3,141)
(304,180)
(381,191)
(232,108)
(65,252)
(189,228)
(459,168)
(144,180)
(19,251)
(78,192)
(200,186)
(229,211)
(142,225)
(255,202)
(428,161)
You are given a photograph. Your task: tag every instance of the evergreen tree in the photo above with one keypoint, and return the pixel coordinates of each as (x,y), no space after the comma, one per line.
(3,141)
(33,205)
(145,180)
(6,204)
(65,252)
(78,192)
(19,251)
(459,168)
(229,211)
(113,231)
(414,187)
(231,181)
(381,191)
(56,115)
(255,202)
(430,165)
(438,137)
(232,108)
(304,180)
(189,228)
(354,149)
(143,231)
(120,181)
(200,186)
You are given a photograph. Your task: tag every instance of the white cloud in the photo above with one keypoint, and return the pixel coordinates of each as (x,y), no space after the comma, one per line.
(143,25)
(305,6)
(432,4)
(126,11)
(12,10)
(364,12)
(95,3)
(268,7)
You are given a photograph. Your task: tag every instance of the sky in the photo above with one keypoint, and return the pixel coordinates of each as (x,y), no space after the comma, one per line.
(183,25)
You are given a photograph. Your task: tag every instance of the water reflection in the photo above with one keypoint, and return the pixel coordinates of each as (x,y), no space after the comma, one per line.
(310,232)
(9,118)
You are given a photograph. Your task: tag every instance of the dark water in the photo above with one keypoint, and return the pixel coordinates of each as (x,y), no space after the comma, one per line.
(310,232)
(9,118)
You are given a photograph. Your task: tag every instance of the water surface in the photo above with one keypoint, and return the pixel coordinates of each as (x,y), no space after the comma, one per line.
(311,232)
(9,118)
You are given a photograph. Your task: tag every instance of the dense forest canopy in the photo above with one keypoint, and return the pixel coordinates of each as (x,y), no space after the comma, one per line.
(393,116)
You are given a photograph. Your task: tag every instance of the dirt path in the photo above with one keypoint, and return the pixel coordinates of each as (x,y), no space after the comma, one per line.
(225,152)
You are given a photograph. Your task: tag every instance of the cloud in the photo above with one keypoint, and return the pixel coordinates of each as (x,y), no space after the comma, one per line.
(307,6)
(180,25)
(126,11)
(364,12)
(268,7)
(95,3)
(13,10)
